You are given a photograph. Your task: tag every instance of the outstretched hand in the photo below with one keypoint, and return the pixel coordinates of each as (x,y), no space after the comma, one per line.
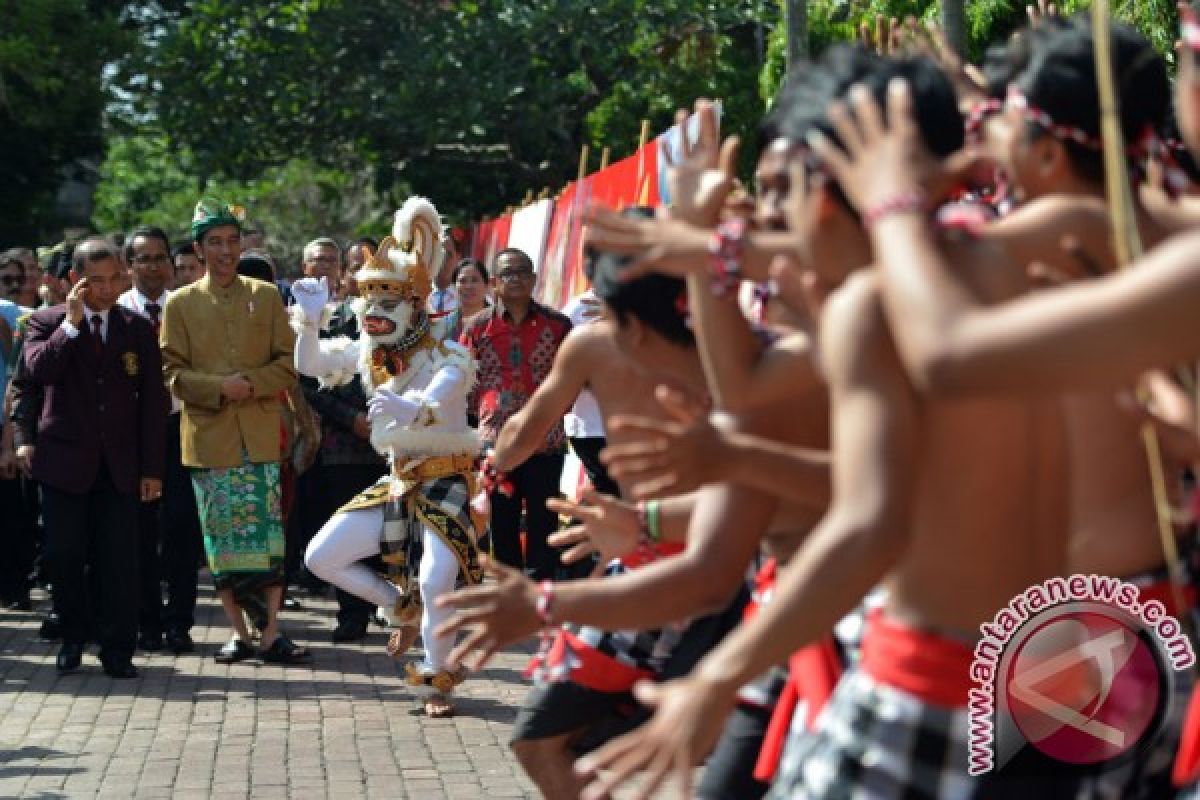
(663,244)
(311,295)
(703,179)
(494,615)
(689,715)
(670,456)
(608,527)
(882,156)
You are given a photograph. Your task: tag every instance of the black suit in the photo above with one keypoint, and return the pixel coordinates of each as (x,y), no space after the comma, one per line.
(101,431)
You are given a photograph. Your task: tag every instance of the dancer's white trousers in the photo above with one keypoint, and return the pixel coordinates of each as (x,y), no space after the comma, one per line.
(350,536)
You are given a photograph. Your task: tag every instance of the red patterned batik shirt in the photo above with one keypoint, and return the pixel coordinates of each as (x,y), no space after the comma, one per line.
(514,358)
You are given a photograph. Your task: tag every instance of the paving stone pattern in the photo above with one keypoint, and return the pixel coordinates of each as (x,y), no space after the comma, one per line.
(344,727)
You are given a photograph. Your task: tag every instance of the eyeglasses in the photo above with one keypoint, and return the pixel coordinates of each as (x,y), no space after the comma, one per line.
(514,275)
(157,258)
(324,259)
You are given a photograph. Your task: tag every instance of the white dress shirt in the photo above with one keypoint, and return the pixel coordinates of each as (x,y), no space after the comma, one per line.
(134,300)
(584,419)
(71,331)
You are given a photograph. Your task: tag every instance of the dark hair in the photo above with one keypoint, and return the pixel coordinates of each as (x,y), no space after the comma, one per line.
(187,248)
(60,263)
(509,251)
(102,248)
(467,263)
(146,232)
(253,264)
(802,104)
(1061,80)
(370,241)
(658,300)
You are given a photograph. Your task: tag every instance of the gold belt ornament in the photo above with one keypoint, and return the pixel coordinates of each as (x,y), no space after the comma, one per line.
(434,467)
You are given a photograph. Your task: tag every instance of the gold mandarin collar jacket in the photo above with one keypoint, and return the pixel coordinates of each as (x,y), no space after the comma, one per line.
(209,333)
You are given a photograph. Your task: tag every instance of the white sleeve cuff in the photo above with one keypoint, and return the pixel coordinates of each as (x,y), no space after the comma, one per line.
(70,330)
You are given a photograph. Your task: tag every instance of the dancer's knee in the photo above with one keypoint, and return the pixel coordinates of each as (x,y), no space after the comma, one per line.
(320,557)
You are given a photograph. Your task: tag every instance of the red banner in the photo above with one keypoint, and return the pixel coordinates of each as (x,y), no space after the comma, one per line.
(631,181)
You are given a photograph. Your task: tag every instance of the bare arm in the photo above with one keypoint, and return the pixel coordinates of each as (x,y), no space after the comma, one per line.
(864,533)
(797,474)
(1095,335)
(723,535)
(866,529)
(670,457)
(526,430)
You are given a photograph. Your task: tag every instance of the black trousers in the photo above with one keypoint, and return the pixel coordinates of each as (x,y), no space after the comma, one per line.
(18,539)
(100,524)
(587,449)
(171,546)
(335,485)
(534,482)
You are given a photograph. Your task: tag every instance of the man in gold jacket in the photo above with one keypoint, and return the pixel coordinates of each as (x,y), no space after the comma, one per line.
(227,355)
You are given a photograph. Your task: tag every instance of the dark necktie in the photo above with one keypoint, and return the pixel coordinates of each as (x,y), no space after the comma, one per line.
(97,330)
(155,312)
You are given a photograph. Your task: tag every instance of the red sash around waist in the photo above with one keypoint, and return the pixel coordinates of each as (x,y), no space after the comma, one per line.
(930,667)
(573,659)
(813,672)
(648,555)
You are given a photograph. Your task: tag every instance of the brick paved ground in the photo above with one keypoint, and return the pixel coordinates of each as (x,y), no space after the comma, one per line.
(192,728)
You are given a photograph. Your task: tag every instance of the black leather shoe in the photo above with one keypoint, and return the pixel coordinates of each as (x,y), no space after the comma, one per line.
(350,631)
(234,650)
(180,642)
(119,668)
(69,656)
(150,641)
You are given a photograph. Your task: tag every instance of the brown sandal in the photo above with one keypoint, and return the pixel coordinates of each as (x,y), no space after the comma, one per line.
(402,640)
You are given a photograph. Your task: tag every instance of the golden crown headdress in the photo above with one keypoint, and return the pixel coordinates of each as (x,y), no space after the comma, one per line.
(402,263)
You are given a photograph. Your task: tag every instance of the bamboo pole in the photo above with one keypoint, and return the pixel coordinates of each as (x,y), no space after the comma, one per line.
(1128,246)
(583,162)
(604,155)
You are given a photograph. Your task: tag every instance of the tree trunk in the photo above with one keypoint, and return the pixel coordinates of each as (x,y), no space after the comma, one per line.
(795,14)
(954,23)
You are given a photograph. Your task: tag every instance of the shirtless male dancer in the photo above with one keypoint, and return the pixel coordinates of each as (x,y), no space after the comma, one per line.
(702,578)
(904,512)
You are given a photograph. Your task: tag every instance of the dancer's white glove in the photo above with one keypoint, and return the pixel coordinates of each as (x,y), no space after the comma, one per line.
(386,403)
(311,295)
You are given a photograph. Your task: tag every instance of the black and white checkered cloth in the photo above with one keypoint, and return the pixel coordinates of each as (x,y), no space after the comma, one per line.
(648,650)
(874,741)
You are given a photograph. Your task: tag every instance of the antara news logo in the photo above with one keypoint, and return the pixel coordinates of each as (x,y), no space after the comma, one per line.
(1082,668)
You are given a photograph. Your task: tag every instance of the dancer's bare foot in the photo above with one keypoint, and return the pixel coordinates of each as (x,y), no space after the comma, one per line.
(402,640)
(438,706)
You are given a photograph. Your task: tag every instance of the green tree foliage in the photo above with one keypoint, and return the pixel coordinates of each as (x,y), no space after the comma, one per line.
(52,55)
(146,182)
(473,103)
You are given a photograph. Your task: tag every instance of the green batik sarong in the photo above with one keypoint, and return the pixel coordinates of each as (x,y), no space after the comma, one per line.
(242,518)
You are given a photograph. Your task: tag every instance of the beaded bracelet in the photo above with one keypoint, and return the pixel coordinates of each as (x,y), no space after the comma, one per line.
(545,602)
(903,203)
(725,249)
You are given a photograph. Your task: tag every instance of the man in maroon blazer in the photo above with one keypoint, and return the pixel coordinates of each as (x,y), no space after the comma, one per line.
(99,450)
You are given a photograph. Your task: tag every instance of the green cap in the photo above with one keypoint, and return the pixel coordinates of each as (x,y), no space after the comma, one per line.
(212,212)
